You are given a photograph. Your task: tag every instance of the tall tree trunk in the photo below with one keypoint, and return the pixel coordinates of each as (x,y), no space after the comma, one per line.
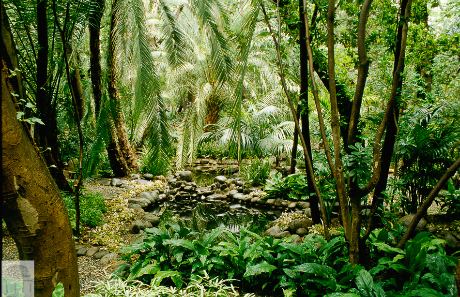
(95,18)
(393,114)
(47,135)
(351,232)
(76,90)
(296,122)
(295,143)
(303,99)
(121,155)
(31,206)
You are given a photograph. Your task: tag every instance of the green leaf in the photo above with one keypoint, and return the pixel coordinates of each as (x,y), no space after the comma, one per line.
(146,270)
(316,269)
(58,290)
(263,267)
(161,275)
(387,248)
(366,285)
(180,243)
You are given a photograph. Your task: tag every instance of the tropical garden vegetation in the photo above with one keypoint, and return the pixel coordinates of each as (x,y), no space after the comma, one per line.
(351,106)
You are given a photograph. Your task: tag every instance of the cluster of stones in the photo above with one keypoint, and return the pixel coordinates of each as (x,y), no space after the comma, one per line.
(213,166)
(288,224)
(180,187)
(96,252)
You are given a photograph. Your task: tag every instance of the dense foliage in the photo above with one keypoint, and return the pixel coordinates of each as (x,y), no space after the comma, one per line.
(92,207)
(174,254)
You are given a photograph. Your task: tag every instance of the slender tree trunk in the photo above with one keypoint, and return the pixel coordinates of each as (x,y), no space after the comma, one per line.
(421,212)
(121,155)
(303,99)
(76,90)
(31,206)
(296,122)
(295,143)
(47,135)
(95,52)
(351,234)
(393,114)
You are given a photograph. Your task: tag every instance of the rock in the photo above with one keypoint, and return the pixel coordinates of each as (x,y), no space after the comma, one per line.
(142,181)
(105,260)
(303,204)
(292,205)
(216,197)
(152,219)
(143,202)
(105,182)
(100,254)
(451,240)
(81,251)
(246,191)
(283,234)
(92,250)
(116,182)
(239,183)
(220,179)
(296,224)
(204,191)
(408,218)
(135,176)
(296,238)
(185,175)
(151,196)
(239,196)
(137,226)
(270,201)
(301,231)
(162,196)
(148,176)
(235,206)
(255,200)
(273,231)
(134,206)
(232,193)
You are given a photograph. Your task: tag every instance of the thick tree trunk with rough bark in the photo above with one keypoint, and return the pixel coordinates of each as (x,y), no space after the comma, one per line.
(32,207)
(121,155)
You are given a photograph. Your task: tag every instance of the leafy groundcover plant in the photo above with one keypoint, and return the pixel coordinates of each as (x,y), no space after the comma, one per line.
(175,255)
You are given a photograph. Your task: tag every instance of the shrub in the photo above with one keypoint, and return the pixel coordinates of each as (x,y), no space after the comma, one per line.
(175,255)
(92,207)
(292,187)
(256,172)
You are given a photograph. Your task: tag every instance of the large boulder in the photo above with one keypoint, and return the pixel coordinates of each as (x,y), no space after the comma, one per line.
(152,218)
(185,175)
(298,223)
(407,219)
(143,202)
(220,179)
(116,182)
(151,196)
